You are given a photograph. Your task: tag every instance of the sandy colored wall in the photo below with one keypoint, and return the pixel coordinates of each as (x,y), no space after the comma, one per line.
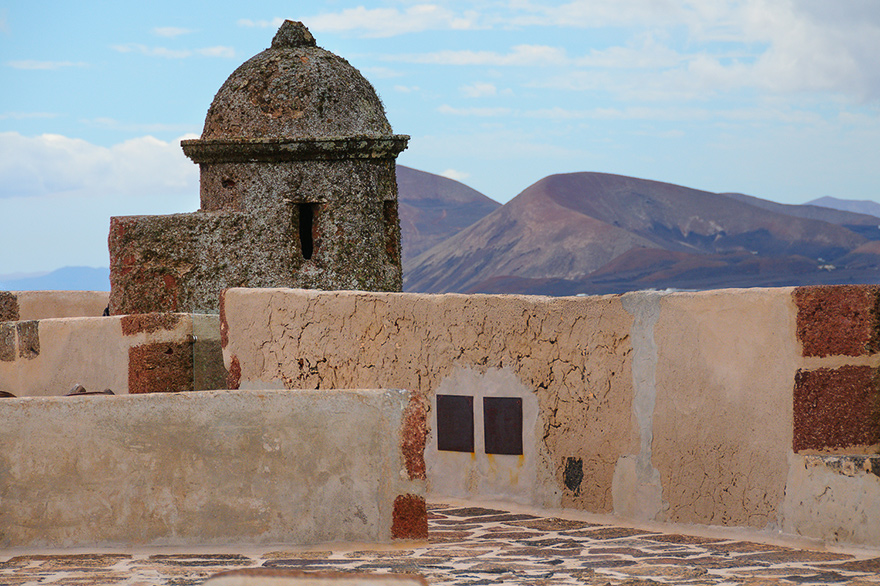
(209,467)
(685,407)
(31,305)
(567,357)
(725,365)
(148,353)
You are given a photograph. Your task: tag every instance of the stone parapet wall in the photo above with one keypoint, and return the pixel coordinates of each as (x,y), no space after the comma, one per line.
(31,305)
(212,467)
(683,407)
(126,354)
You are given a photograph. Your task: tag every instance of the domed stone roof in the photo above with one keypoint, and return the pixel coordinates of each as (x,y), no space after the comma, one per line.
(295,91)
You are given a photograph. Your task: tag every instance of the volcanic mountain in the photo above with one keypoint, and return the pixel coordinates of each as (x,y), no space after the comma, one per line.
(595,232)
(433,208)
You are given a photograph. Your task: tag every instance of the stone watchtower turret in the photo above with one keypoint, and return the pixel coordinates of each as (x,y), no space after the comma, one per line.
(298,189)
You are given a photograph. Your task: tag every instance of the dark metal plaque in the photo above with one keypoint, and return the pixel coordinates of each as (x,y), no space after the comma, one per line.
(502,425)
(455,423)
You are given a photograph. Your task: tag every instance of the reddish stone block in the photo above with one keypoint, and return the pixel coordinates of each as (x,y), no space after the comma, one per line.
(8,306)
(410,517)
(836,408)
(160,368)
(28,339)
(224,325)
(147,323)
(413,436)
(838,319)
(233,378)
(7,342)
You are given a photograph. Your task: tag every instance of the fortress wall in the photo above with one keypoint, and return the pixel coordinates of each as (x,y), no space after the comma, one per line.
(127,354)
(211,467)
(31,305)
(566,360)
(689,407)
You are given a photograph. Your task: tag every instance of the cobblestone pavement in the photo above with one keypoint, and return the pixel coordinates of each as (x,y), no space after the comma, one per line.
(477,546)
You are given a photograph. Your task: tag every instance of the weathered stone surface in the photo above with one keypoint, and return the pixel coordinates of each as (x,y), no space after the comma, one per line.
(28,339)
(8,306)
(298,90)
(410,520)
(149,322)
(836,409)
(7,341)
(298,189)
(163,367)
(838,319)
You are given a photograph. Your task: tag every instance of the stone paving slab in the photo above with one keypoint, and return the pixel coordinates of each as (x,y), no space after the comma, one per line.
(475,546)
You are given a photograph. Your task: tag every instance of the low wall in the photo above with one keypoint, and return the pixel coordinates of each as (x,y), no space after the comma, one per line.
(211,467)
(717,408)
(126,354)
(30,305)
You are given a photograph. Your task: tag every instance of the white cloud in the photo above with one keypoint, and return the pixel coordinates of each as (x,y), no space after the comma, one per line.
(479,89)
(219,51)
(389,22)
(455,175)
(153,51)
(171,31)
(225,52)
(481,112)
(406,89)
(647,53)
(274,23)
(380,72)
(54,164)
(599,13)
(520,55)
(44,65)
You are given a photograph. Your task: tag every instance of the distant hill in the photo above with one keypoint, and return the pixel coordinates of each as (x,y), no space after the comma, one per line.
(859,222)
(601,233)
(850,205)
(63,279)
(433,208)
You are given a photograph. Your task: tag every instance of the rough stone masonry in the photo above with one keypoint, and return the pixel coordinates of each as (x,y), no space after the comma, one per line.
(298,189)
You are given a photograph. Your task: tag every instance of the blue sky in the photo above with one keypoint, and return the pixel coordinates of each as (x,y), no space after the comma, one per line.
(775,98)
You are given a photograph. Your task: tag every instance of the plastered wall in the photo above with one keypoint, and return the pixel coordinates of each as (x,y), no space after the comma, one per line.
(126,354)
(568,357)
(211,467)
(31,305)
(665,406)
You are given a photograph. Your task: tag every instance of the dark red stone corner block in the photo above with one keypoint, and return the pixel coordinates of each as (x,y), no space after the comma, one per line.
(414,434)
(410,517)
(160,368)
(836,409)
(233,376)
(838,319)
(147,323)
(8,306)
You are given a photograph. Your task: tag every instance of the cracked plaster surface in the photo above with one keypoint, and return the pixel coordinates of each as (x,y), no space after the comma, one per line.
(573,354)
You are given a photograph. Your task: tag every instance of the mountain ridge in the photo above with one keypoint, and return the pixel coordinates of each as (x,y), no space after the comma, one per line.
(566,227)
